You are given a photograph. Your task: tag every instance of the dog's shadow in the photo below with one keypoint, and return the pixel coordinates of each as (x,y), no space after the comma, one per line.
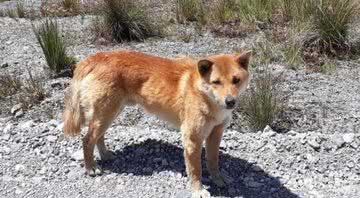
(156,156)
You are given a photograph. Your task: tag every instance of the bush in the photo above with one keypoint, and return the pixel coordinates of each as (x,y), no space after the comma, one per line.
(126,21)
(32,91)
(53,46)
(331,22)
(9,85)
(20,10)
(190,10)
(256,10)
(262,103)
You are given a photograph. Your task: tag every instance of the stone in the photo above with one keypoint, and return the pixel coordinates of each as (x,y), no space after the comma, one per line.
(253,184)
(27,125)
(268,131)
(4,65)
(19,113)
(6,150)
(51,138)
(314,144)
(16,108)
(164,162)
(77,156)
(19,168)
(348,137)
(338,140)
(6,137)
(8,128)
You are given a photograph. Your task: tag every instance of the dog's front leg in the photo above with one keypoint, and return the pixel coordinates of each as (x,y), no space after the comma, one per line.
(192,141)
(212,155)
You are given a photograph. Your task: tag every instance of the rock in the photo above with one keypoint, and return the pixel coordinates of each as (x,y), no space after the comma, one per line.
(56,151)
(338,140)
(268,131)
(253,184)
(8,128)
(314,143)
(60,127)
(348,137)
(16,108)
(43,170)
(4,65)
(53,123)
(51,138)
(6,150)
(19,113)
(19,168)
(77,156)
(6,137)
(27,125)
(164,162)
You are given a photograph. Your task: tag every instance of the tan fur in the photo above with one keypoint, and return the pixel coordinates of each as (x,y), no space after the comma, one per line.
(180,91)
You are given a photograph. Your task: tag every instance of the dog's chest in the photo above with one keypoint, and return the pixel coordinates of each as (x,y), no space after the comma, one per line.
(222,117)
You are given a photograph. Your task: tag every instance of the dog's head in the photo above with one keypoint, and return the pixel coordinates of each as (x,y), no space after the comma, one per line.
(224,77)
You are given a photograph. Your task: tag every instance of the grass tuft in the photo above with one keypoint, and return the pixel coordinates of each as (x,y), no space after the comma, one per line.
(9,85)
(49,37)
(262,103)
(72,6)
(20,10)
(126,21)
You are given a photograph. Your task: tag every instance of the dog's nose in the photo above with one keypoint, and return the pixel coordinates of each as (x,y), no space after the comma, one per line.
(230,102)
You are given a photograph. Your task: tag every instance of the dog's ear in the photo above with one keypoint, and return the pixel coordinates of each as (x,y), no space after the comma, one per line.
(244,59)
(204,66)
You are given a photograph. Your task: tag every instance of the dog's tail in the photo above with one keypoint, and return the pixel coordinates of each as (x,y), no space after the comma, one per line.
(73,115)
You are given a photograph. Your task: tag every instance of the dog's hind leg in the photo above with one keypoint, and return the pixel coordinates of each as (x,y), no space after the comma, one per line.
(104,113)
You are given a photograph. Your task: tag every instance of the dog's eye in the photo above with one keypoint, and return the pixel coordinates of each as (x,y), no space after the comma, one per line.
(216,82)
(236,80)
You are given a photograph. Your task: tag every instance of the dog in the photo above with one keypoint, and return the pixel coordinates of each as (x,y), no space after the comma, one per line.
(195,95)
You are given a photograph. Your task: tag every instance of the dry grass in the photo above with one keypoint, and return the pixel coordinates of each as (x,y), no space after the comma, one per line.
(53,46)
(125,21)
(9,85)
(32,91)
(263,103)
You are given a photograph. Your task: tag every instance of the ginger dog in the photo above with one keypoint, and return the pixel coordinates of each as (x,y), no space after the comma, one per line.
(196,96)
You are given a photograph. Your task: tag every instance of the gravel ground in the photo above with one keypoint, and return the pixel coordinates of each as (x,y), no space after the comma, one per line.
(318,156)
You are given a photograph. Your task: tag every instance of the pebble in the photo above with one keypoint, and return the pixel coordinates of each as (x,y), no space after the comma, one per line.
(51,138)
(268,131)
(348,137)
(6,150)
(15,108)
(8,128)
(314,144)
(78,155)
(253,184)
(19,113)
(6,137)
(338,140)
(19,168)
(27,125)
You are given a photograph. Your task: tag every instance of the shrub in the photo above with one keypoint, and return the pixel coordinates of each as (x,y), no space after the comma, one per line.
(9,85)
(71,5)
(262,103)
(331,22)
(255,10)
(32,92)
(127,21)
(53,47)
(190,10)
(20,10)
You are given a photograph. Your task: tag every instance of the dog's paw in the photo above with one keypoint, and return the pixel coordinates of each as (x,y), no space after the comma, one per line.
(201,194)
(94,171)
(221,179)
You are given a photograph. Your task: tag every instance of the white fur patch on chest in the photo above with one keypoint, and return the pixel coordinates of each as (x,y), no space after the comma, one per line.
(222,117)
